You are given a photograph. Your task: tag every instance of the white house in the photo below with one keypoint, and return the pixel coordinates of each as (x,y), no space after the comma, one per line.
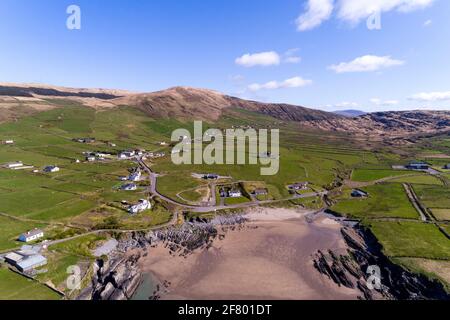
(126,154)
(9,142)
(51,169)
(234,194)
(31,235)
(136,176)
(142,205)
(90,158)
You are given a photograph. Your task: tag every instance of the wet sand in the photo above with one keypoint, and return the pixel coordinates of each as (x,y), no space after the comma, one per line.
(270,258)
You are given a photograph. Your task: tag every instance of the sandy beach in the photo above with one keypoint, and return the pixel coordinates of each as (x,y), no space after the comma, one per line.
(269,258)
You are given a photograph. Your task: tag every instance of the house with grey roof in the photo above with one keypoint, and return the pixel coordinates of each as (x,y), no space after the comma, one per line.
(24,261)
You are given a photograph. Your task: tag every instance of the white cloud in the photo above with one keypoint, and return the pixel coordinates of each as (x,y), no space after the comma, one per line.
(353,11)
(295,82)
(317,11)
(366,63)
(268,58)
(356,10)
(428,23)
(431,96)
(292,60)
(384,103)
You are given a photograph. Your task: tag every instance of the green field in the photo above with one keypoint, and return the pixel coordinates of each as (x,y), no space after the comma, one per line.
(433,196)
(420,179)
(17,287)
(233,201)
(387,200)
(411,239)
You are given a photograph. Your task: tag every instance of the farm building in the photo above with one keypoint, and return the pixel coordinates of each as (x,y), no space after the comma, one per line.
(357,193)
(31,235)
(298,186)
(51,169)
(90,158)
(12,165)
(418,165)
(142,205)
(8,142)
(260,192)
(129,187)
(25,262)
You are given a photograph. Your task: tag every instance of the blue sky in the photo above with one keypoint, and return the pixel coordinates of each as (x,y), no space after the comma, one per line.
(316,53)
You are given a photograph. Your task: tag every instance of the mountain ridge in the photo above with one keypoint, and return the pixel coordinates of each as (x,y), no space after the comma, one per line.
(210,105)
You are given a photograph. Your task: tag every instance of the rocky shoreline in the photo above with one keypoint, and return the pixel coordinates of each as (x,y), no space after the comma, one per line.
(352,270)
(118,276)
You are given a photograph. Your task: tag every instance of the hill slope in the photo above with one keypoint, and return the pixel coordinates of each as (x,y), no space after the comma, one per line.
(205,104)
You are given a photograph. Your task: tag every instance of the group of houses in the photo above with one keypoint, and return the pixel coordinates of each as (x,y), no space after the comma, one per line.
(129,154)
(134,176)
(298,186)
(28,258)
